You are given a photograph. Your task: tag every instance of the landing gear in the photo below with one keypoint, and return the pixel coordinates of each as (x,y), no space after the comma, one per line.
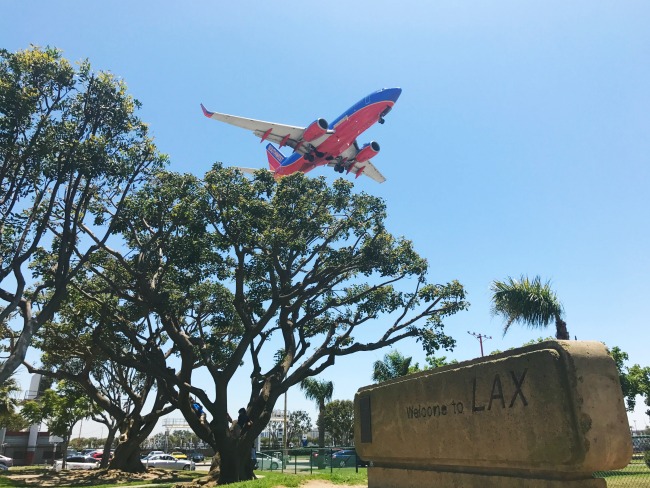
(383,114)
(310,156)
(339,168)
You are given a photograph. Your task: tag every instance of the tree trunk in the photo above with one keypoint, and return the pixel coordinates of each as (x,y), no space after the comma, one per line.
(562,333)
(321,425)
(106,457)
(64,450)
(232,463)
(127,456)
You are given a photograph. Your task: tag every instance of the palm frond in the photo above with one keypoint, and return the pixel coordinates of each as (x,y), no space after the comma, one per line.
(528,302)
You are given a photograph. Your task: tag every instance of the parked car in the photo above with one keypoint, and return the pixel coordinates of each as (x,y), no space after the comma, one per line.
(7,461)
(153,453)
(197,457)
(347,457)
(167,461)
(3,467)
(179,455)
(266,461)
(77,462)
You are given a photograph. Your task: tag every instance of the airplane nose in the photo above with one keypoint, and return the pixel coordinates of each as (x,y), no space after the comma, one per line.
(394,93)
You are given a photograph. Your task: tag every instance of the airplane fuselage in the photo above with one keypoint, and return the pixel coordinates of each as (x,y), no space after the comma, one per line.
(347,128)
(322,143)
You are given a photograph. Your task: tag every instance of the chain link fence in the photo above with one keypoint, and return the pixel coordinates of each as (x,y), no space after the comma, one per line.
(309,460)
(635,475)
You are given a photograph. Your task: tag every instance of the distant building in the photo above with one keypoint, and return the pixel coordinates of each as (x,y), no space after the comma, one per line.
(17,446)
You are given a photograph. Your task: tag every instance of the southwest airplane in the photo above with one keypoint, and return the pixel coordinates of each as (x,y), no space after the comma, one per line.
(323,144)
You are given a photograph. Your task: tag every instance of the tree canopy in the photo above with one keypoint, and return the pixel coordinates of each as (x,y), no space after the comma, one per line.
(176,278)
(338,420)
(635,379)
(71,149)
(229,269)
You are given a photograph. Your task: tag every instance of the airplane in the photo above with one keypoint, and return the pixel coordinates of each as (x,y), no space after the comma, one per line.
(320,143)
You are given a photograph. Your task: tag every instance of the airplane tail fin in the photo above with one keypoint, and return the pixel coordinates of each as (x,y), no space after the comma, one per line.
(275,157)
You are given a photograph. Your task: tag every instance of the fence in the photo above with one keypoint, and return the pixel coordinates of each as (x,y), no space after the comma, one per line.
(635,475)
(309,460)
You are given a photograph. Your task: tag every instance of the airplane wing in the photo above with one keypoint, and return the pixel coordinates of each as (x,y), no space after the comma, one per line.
(283,135)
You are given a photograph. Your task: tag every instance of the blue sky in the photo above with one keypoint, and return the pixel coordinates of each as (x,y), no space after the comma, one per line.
(519,145)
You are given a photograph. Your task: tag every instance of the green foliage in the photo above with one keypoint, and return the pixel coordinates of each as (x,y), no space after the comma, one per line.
(59,409)
(298,423)
(528,302)
(646,458)
(392,366)
(71,148)
(10,418)
(226,269)
(338,420)
(437,362)
(635,380)
(320,391)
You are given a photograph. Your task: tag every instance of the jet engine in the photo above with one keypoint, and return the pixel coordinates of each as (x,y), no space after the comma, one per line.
(368,151)
(316,129)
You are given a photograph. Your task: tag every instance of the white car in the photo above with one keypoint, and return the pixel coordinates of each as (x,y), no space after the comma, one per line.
(77,462)
(166,461)
(7,461)
(266,461)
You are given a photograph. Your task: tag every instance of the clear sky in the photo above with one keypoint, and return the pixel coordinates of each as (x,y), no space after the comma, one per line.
(520,143)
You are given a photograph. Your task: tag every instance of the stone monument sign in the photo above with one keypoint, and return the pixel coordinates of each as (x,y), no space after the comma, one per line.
(546,415)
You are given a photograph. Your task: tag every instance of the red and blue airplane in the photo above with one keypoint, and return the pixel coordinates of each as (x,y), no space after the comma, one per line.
(320,143)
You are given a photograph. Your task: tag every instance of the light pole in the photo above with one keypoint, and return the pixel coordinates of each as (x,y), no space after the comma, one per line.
(480,338)
(284,431)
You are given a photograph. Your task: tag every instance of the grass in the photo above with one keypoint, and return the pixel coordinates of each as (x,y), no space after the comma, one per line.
(266,479)
(37,477)
(272,479)
(635,475)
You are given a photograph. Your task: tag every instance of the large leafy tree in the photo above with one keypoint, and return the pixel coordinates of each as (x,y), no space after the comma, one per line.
(319,391)
(236,269)
(71,149)
(298,424)
(528,302)
(127,399)
(338,420)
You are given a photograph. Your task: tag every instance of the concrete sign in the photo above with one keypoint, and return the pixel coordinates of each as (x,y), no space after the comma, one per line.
(551,411)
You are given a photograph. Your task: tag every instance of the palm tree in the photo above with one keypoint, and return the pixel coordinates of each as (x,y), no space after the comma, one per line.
(528,302)
(394,365)
(10,417)
(9,391)
(321,392)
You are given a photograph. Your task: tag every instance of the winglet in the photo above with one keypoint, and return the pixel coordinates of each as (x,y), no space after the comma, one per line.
(206,112)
